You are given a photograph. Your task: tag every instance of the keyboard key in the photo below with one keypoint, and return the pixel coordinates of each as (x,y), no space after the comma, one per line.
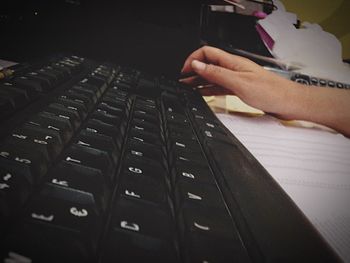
(99,142)
(177,133)
(56,124)
(90,157)
(143,233)
(111,110)
(143,125)
(30,83)
(17,99)
(147,104)
(172,105)
(26,143)
(61,111)
(196,194)
(55,76)
(187,156)
(65,207)
(105,117)
(143,150)
(86,92)
(97,90)
(100,127)
(144,136)
(142,167)
(6,107)
(192,173)
(142,188)
(198,221)
(115,93)
(146,84)
(213,135)
(62,225)
(178,119)
(29,164)
(93,82)
(186,145)
(65,69)
(112,102)
(145,116)
(26,95)
(50,138)
(77,97)
(73,105)
(210,125)
(216,228)
(14,192)
(42,79)
(82,178)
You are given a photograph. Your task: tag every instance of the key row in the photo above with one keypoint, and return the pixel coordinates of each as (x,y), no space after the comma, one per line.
(22,90)
(30,149)
(71,205)
(142,223)
(205,236)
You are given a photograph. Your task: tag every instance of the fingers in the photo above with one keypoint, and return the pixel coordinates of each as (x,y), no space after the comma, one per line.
(193,81)
(219,76)
(204,87)
(218,57)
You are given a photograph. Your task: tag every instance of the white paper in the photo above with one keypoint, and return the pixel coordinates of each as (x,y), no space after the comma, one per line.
(6,64)
(277,22)
(312,166)
(317,52)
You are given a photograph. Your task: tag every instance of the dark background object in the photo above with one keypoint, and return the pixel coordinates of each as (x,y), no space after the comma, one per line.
(231,31)
(155,35)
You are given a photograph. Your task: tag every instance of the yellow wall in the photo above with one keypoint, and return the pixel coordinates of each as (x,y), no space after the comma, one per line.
(332,15)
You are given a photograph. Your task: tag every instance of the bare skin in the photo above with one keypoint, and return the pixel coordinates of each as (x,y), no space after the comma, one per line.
(221,73)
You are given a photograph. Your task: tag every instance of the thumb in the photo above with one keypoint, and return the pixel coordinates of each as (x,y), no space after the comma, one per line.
(217,75)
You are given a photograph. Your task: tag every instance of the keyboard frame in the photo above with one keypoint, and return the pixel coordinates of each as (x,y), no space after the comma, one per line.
(271,226)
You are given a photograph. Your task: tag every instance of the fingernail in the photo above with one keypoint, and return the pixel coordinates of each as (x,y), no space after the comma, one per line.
(197,65)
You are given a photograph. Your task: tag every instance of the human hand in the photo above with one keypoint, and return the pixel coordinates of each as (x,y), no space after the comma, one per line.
(220,73)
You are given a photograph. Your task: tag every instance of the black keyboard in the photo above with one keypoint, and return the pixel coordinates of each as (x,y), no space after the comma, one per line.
(102,163)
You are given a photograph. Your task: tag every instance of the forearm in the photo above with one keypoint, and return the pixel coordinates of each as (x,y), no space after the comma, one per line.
(327,106)
(267,91)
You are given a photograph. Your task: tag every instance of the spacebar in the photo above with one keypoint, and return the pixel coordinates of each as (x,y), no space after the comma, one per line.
(275,223)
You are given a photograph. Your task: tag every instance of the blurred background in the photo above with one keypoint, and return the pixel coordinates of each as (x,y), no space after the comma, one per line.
(332,15)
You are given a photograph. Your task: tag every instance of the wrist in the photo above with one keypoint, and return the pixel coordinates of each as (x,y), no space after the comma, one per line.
(297,102)
(322,105)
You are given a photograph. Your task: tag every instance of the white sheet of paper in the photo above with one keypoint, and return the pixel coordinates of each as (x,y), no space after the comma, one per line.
(312,166)
(6,64)
(317,52)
